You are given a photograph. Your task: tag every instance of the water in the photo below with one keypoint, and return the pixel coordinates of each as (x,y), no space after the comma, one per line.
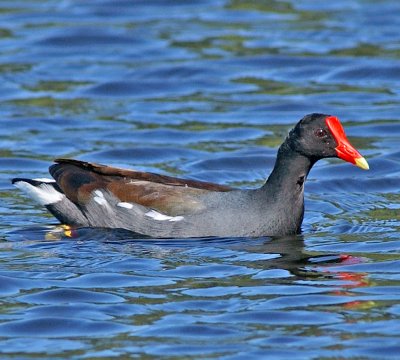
(205,90)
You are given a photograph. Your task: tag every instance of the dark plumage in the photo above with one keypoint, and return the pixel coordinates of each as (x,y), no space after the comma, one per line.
(88,194)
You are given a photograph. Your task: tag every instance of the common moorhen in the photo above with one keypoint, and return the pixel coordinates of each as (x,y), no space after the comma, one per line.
(89,194)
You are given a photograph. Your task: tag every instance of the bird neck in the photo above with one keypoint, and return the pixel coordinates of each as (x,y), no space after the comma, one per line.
(290,171)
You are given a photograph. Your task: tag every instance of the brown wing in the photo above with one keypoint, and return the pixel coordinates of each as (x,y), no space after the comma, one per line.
(170,195)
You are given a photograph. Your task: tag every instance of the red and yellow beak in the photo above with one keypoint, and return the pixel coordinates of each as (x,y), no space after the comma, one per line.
(344,149)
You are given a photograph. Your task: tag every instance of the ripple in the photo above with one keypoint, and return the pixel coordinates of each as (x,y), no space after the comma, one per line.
(142,155)
(107,280)
(211,270)
(51,327)
(23,164)
(251,163)
(10,285)
(69,310)
(285,318)
(49,346)
(197,331)
(388,327)
(368,72)
(58,296)
(84,37)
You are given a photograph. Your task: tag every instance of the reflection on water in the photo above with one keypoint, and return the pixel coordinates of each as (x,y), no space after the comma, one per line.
(205,90)
(162,294)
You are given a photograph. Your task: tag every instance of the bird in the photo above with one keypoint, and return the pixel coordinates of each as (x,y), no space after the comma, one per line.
(86,194)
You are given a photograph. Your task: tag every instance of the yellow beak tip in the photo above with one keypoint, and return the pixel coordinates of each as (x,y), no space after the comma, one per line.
(362,163)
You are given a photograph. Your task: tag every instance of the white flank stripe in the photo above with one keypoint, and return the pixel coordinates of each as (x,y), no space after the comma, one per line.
(45,180)
(99,194)
(162,217)
(99,198)
(176,218)
(43,194)
(125,205)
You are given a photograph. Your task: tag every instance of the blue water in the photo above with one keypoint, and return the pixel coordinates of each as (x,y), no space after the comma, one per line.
(205,90)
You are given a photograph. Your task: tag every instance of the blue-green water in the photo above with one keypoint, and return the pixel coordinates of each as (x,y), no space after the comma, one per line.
(206,90)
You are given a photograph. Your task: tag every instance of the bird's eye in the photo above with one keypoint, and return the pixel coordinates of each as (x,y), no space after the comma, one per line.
(320,133)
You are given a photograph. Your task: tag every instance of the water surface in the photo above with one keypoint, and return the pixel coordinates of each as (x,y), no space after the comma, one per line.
(206,90)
